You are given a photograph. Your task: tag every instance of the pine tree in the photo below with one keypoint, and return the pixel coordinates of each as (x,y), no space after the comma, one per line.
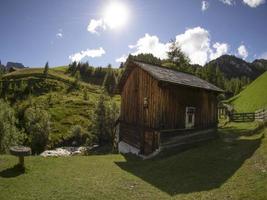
(112,116)
(46,68)
(219,78)
(110,81)
(100,121)
(121,65)
(177,57)
(76,83)
(72,67)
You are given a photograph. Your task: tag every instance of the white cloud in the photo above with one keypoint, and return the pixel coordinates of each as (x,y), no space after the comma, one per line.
(150,44)
(123,58)
(95,25)
(87,53)
(221,49)
(204,5)
(254,3)
(195,43)
(263,56)
(242,51)
(228,2)
(59,35)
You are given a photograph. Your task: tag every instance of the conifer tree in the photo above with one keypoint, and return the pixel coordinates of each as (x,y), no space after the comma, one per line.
(177,57)
(100,121)
(110,81)
(46,68)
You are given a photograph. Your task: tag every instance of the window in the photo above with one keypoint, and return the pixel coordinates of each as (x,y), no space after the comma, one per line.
(190,117)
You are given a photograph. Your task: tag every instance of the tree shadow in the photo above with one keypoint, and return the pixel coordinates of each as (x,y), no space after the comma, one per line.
(101,150)
(202,168)
(15,171)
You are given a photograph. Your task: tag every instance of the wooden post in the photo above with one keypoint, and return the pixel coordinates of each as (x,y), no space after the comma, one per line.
(21,161)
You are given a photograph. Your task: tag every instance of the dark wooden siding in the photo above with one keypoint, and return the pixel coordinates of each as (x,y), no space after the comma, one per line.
(175,99)
(140,85)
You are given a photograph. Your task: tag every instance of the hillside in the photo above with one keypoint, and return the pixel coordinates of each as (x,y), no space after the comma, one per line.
(253,97)
(234,67)
(67,104)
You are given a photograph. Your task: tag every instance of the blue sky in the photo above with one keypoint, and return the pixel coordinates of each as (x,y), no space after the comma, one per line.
(60,31)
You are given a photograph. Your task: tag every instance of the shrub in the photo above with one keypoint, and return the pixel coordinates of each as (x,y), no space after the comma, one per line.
(81,136)
(37,124)
(9,134)
(85,95)
(104,119)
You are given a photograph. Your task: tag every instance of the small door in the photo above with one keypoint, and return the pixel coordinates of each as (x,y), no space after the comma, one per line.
(151,142)
(190,117)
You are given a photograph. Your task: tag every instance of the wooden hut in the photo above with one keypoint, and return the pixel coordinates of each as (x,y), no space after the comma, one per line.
(162,108)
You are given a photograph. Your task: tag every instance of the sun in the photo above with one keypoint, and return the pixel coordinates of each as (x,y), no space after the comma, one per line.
(116,15)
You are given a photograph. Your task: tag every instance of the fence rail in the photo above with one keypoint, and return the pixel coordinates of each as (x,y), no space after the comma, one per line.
(259,115)
(242,117)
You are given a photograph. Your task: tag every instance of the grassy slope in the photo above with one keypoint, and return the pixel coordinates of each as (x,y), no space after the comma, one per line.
(66,108)
(253,97)
(231,167)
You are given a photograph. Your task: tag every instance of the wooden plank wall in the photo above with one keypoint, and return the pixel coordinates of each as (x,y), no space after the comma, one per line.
(175,99)
(140,85)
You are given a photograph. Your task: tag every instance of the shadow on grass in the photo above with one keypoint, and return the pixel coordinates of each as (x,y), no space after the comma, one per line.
(12,172)
(199,169)
(101,150)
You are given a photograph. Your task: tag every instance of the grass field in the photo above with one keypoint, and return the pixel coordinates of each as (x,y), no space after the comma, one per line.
(234,166)
(253,97)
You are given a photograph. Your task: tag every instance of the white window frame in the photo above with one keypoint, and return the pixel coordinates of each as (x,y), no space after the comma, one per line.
(190,111)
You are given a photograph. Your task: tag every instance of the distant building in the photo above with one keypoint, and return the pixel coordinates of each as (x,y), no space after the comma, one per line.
(162,108)
(14,64)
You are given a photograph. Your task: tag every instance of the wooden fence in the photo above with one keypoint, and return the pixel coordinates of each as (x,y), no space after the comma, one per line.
(259,115)
(242,117)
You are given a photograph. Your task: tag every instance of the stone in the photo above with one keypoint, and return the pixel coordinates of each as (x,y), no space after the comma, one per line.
(59,152)
(65,151)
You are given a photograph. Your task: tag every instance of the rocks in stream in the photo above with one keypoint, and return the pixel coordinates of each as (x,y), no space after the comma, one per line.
(66,151)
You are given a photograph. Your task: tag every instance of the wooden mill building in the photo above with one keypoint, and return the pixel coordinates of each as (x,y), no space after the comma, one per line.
(161,108)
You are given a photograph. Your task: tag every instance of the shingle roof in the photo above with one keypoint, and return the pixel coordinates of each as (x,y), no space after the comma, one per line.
(171,76)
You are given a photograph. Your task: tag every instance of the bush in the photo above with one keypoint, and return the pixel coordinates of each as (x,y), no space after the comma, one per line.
(85,95)
(9,134)
(81,136)
(37,124)
(104,119)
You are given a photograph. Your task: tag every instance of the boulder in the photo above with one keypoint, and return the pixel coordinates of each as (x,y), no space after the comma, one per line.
(59,152)
(64,151)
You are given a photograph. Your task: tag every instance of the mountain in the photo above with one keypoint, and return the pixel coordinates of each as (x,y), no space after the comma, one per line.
(260,65)
(234,67)
(253,97)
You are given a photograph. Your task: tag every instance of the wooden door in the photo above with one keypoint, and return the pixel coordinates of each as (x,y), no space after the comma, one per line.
(151,143)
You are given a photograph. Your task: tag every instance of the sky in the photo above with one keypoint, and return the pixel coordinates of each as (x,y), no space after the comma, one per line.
(107,31)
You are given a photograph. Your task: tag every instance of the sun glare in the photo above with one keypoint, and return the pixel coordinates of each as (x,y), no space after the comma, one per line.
(116,15)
